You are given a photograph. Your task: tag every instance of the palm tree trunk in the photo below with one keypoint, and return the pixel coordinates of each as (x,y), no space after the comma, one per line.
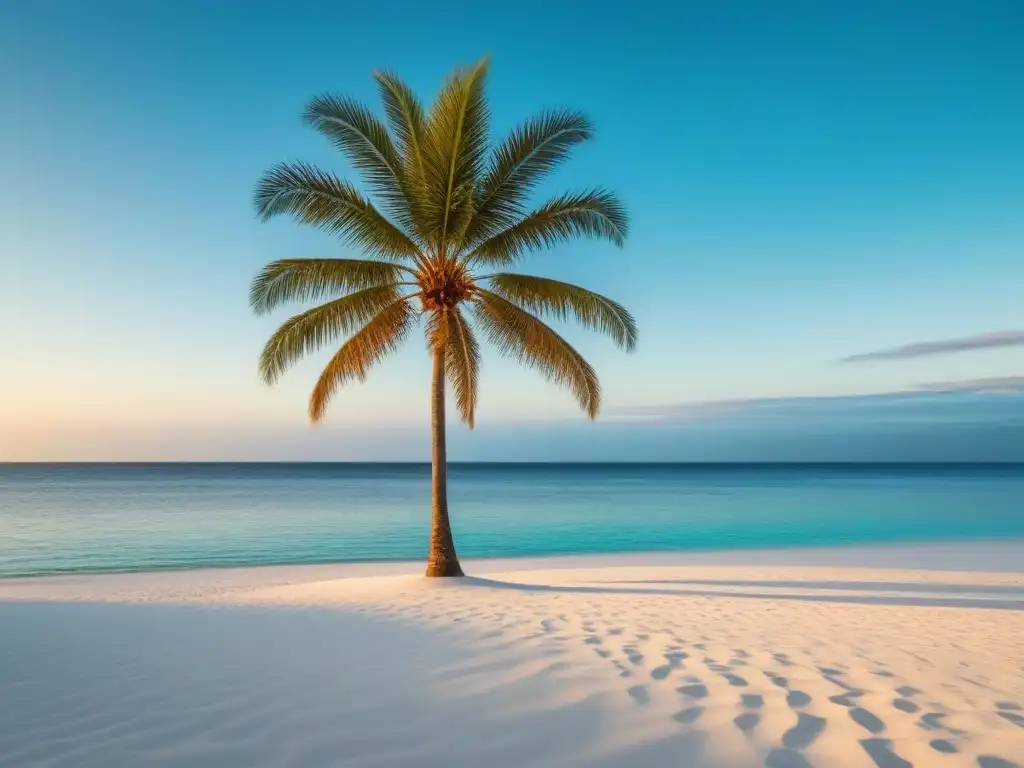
(442,560)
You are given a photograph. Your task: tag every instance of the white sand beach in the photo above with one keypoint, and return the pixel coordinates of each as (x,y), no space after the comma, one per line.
(880,658)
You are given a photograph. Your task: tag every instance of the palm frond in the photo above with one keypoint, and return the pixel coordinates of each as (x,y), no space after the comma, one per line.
(525,157)
(435,330)
(364,140)
(530,341)
(368,346)
(408,125)
(308,280)
(406,118)
(597,214)
(310,330)
(455,153)
(553,297)
(322,200)
(462,364)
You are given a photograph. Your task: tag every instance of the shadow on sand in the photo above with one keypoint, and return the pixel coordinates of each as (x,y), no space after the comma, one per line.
(949,595)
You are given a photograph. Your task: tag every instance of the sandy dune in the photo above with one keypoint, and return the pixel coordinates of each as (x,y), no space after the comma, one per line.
(639,661)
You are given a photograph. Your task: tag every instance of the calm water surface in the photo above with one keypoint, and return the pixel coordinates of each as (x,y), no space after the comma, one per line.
(73,518)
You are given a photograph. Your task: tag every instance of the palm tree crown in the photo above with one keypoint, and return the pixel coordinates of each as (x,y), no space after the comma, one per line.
(449,210)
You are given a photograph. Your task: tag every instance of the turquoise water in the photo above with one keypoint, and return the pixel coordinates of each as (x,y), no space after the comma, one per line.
(75,518)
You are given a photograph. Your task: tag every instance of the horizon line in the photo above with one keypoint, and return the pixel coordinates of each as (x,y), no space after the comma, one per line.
(427,463)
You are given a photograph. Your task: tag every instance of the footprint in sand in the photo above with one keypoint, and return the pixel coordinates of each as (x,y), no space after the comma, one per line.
(778,680)
(867,720)
(932,721)
(688,716)
(841,683)
(640,695)
(905,705)
(807,729)
(593,640)
(1012,717)
(634,656)
(752,700)
(797,699)
(735,680)
(747,721)
(660,673)
(990,761)
(880,751)
(694,690)
(786,758)
(848,699)
(1010,711)
(907,691)
(603,653)
(943,746)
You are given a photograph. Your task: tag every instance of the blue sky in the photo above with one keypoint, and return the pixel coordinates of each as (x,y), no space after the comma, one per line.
(807,182)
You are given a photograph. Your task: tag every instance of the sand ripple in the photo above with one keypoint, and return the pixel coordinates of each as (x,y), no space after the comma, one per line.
(775,667)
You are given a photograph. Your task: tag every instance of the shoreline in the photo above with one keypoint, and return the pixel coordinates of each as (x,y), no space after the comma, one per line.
(1005,554)
(960,562)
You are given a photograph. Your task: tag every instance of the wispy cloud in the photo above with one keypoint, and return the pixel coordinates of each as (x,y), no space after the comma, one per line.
(923,394)
(994,385)
(943,347)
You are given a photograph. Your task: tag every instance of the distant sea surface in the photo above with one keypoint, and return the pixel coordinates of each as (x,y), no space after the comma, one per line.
(137,517)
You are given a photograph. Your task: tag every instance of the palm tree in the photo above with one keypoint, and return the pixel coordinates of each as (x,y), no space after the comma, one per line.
(447,208)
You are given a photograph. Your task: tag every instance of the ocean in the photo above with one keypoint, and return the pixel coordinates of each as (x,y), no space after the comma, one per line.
(78,518)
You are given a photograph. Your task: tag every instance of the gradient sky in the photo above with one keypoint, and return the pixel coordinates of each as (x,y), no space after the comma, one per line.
(808,181)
